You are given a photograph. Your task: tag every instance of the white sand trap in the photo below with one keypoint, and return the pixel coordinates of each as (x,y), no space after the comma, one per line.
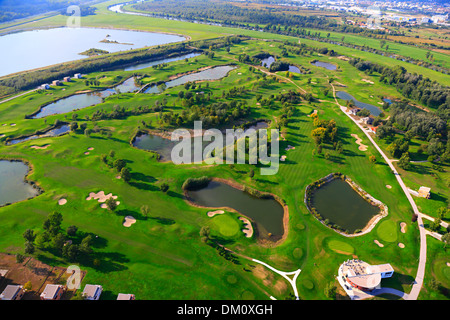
(40,147)
(401,245)
(368,81)
(13,124)
(448,264)
(90,148)
(361,147)
(2,135)
(100,196)
(118,177)
(213,213)
(403,227)
(388,186)
(129,220)
(283,158)
(239,73)
(378,243)
(86,153)
(248,231)
(62,201)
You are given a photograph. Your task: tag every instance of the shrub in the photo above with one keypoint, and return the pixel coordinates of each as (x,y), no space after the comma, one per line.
(196,183)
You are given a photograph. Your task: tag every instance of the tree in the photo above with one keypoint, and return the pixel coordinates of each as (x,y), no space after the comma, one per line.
(164,187)
(53,223)
(145,210)
(119,164)
(373,159)
(27,286)
(72,230)
(29,235)
(330,290)
(125,174)
(111,204)
(404,161)
(73,126)
(58,242)
(318,135)
(85,246)
(446,239)
(205,233)
(251,174)
(71,252)
(29,248)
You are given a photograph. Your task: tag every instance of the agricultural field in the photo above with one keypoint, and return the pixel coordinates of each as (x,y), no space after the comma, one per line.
(174,250)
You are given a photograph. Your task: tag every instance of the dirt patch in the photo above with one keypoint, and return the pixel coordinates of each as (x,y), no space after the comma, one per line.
(368,81)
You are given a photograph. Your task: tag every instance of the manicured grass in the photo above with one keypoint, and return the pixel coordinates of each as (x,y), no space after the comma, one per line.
(340,247)
(387,231)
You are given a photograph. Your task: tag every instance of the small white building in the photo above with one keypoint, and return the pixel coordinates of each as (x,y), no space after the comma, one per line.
(67,79)
(92,292)
(77,76)
(126,296)
(12,292)
(52,292)
(44,86)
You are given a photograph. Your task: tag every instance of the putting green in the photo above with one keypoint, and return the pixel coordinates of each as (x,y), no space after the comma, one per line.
(226,225)
(340,247)
(387,231)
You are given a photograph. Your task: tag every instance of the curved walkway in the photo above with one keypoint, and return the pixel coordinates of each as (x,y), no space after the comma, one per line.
(417,286)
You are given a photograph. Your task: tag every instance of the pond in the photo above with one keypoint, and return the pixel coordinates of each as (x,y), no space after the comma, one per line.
(40,48)
(59,130)
(83,100)
(214,73)
(328,66)
(338,202)
(144,65)
(375,111)
(267,213)
(269,60)
(13,188)
(164,146)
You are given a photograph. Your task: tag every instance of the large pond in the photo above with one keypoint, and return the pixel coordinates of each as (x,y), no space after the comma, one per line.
(343,206)
(164,146)
(266,213)
(40,48)
(59,130)
(346,96)
(214,73)
(83,100)
(328,66)
(269,60)
(13,188)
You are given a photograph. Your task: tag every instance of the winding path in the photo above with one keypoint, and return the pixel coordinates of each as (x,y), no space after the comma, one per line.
(417,286)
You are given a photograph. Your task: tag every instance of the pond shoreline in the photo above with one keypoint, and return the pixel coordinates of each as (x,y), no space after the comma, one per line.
(263,242)
(367,197)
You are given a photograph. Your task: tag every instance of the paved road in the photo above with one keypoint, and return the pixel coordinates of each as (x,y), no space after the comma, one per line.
(423,244)
(22,94)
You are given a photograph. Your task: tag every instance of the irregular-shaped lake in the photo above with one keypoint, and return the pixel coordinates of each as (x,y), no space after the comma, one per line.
(40,48)
(346,96)
(266,213)
(13,188)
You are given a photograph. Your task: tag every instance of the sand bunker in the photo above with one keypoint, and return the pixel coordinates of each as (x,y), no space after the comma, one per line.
(248,230)
(129,220)
(86,153)
(213,213)
(378,243)
(100,196)
(38,147)
(2,135)
(90,148)
(62,201)
(403,227)
(289,147)
(368,81)
(361,147)
(388,186)
(283,158)
(401,245)
(13,124)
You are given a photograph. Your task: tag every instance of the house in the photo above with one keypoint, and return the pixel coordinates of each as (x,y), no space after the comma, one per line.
(12,292)
(52,292)
(92,292)
(354,111)
(56,83)
(44,86)
(77,76)
(66,79)
(363,276)
(367,120)
(424,192)
(373,129)
(126,296)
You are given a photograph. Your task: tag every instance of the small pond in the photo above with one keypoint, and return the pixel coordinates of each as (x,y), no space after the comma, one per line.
(267,214)
(164,146)
(51,133)
(13,188)
(328,66)
(343,206)
(214,73)
(83,100)
(375,111)
(144,65)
